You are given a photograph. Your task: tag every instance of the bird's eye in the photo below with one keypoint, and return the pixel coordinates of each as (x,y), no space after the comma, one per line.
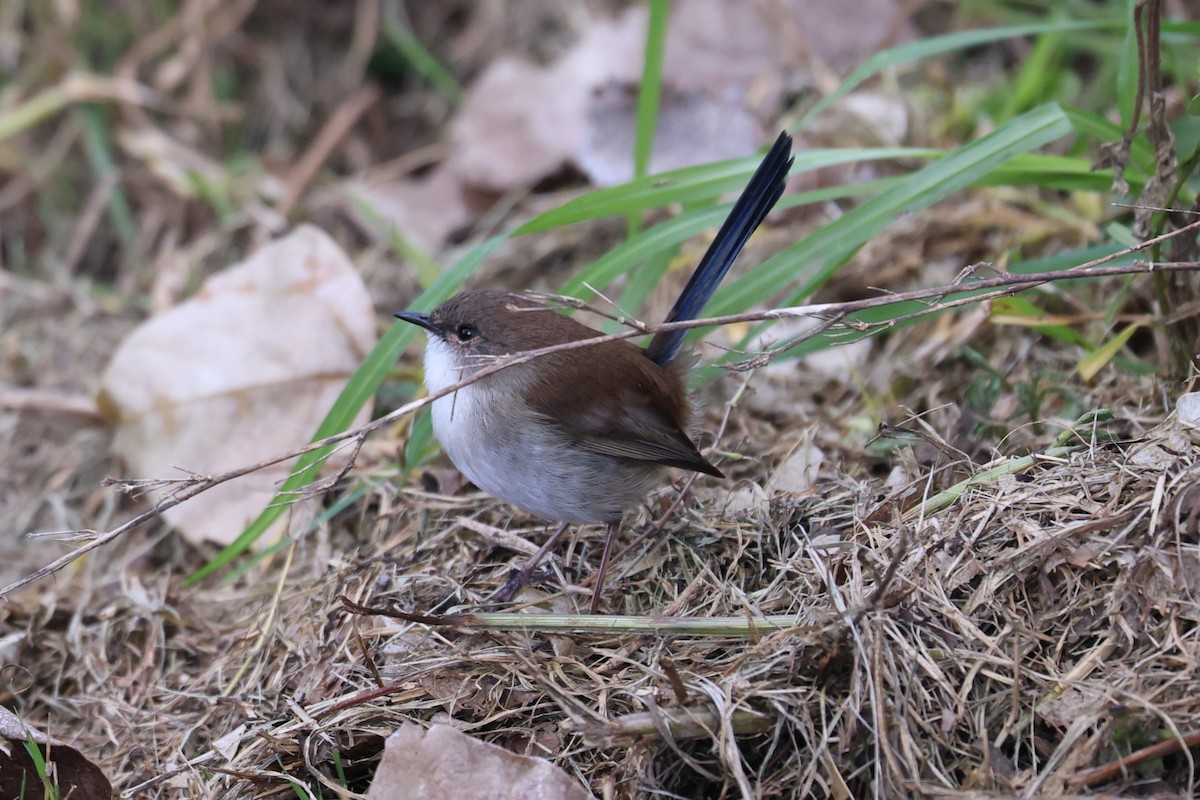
(466,332)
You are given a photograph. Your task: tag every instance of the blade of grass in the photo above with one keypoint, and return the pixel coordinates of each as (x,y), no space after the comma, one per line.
(694,184)
(667,235)
(1059,172)
(650,90)
(940,45)
(649,100)
(1093,362)
(1053,172)
(423,61)
(642,282)
(1020,311)
(420,446)
(809,263)
(40,106)
(875,316)
(1090,125)
(427,269)
(1029,88)
(816,257)
(99,151)
(1128,69)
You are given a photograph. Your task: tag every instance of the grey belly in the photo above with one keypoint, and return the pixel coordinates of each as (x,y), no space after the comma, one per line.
(531,466)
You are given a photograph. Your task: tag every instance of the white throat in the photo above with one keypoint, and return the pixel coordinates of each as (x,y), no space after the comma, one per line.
(441,366)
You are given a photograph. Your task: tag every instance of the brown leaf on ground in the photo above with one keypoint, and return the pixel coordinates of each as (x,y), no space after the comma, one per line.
(443,764)
(428,209)
(521,122)
(68,770)
(245,369)
(726,67)
(694,127)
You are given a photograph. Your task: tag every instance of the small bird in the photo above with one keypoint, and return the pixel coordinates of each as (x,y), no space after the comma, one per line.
(581,435)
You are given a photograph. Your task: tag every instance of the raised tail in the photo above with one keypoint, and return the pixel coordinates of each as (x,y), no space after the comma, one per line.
(760,195)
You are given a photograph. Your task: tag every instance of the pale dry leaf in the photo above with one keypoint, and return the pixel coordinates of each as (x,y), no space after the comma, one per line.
(229,744)
(1082,699)
(843,35)
(694,127)
(521,122)
(245,369)
(724,65)
(427,209)
(885,116)
(15,730)
(1188,409)
(444,764)
(510,131)
(722,70)
(733,49)
(799,470)
(747,502)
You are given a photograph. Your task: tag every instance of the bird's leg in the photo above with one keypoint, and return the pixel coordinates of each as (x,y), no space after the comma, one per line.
(518,581)
(613,529)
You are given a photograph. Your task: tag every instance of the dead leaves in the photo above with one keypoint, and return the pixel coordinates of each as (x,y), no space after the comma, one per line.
(442,763)
(245,369)
(726,68)
(62,767)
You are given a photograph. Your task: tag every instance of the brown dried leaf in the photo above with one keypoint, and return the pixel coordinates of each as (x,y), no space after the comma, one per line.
(245,369)
(521,122)
(694,127)
(428,209)
(69,770)
(443,764)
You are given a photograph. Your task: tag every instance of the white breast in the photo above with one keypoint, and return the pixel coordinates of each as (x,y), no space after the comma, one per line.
(468,424)
(456,417)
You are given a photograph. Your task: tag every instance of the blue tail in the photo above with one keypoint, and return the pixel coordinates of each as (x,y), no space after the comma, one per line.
(763,191)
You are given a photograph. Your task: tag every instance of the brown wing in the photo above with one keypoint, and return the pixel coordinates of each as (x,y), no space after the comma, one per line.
(611,399)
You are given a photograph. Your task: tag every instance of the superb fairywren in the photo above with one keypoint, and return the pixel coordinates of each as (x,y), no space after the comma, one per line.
(580,435)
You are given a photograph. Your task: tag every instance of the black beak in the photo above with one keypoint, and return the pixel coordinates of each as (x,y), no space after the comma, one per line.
(417,318)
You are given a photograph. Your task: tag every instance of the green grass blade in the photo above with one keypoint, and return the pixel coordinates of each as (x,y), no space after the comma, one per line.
(649,99)
(1091,364)
(670,234)
(1051,172)
(650,91)
(816,257)
(694,184)
(423,61)
(1021,311)
(98,141)
(1128,68)
(1097,128)
(641,283)
(420,446)
(874,316)
(939,45)
(1030,86)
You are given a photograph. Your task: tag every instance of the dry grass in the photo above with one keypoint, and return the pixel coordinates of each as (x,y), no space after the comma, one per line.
(1043,624)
